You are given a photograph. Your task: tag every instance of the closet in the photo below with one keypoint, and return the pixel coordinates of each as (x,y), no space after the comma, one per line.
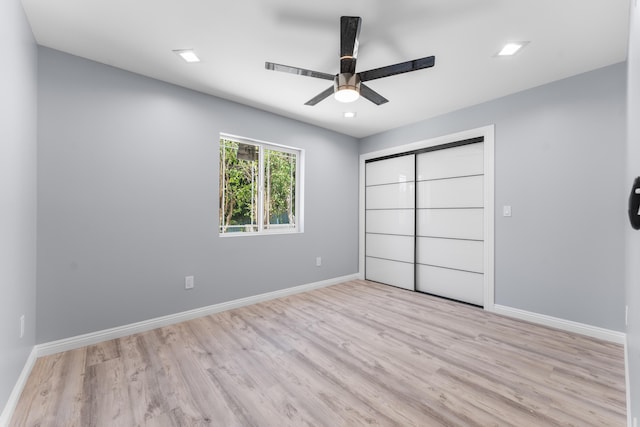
(424,220)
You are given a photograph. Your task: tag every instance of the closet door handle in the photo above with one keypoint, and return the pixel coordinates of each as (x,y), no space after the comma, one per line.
(634,204)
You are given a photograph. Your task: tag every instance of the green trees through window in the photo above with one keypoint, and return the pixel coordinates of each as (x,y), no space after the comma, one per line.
(257,187)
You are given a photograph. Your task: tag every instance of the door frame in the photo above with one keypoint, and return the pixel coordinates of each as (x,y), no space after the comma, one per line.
(489,189)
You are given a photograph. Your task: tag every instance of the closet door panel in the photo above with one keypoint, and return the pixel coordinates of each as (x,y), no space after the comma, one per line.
(399,222)
(451,253)
(396,248)
(391,196)
(451,223)
(394,273)
(390,221)
(463,192)
(398,169)
(459,285)
(452,162)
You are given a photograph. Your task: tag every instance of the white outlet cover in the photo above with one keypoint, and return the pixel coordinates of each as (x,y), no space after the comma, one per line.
(189,282)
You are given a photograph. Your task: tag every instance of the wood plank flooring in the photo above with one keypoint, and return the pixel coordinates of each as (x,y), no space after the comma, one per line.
(357,353)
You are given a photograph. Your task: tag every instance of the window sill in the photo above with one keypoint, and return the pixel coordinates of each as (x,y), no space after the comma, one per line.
(263,233)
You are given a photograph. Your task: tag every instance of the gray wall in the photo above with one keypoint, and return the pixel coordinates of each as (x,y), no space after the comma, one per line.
(559,151)
(18,135)
(127,200)
(633,236)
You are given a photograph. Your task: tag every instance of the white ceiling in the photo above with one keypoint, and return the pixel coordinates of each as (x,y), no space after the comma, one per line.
(235,38)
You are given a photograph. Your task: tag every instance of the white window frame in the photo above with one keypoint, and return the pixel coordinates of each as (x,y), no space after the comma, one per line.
(299,187)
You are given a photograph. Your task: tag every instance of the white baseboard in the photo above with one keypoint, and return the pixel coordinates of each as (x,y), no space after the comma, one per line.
(565,325)
(7,412)
(146,325)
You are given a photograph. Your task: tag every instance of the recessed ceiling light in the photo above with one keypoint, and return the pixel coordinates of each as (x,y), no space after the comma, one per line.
(349,114)
(187,54)
(512,48)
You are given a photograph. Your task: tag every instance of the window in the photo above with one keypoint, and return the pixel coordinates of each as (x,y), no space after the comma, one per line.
(259,187)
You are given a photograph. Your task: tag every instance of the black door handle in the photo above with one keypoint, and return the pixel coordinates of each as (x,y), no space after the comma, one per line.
(634,204)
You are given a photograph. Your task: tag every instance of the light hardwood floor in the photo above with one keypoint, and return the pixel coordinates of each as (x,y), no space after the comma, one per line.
(353,354)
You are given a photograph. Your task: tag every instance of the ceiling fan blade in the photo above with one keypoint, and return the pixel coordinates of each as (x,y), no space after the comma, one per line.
(298,71)
(372,95)
(403,67)
(319,97)
(349,33)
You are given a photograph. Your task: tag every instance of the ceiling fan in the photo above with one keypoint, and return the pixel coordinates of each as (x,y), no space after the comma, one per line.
(348,85)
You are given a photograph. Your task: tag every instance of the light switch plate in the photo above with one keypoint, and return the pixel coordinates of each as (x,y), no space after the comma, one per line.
(506,210)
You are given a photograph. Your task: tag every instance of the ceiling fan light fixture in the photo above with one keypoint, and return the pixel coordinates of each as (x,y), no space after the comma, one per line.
(346,87)
(347,95)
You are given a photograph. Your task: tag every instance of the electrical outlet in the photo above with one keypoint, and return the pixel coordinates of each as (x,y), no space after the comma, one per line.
(318,261)
(22,326)
(189,282)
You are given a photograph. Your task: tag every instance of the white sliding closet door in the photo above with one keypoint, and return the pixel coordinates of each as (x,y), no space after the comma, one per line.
(390,221)
(449,226)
